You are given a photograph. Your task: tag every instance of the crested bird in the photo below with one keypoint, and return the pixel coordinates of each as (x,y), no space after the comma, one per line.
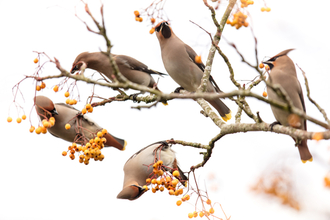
(132,69)
(82,128)
(283,73)
(179,62)
(139,167)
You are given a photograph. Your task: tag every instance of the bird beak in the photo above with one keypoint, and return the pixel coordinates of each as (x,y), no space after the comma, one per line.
(74,69)
(54,112)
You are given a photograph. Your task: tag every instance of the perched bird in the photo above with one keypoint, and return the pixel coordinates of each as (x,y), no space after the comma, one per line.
(132,69)
(136,168)
(82,127)
(180,64)
(283,73)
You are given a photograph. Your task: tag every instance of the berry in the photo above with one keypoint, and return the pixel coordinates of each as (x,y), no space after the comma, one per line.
(43,85)
(43,130)
(264,94)
(176,173)
(140,19)
(152,30)
(36,60)
(198,59)
(67,126)
(9,119)
(211,210)
(99,134)
(153,20)
(67,101)
(38,88)
(38,130)
(83,111)
(66,94)
(195,214)
(190,215)
(178,203)
(18,120)
(64,153)
(90,110)
(31,129)
(261,65)
(55,88)
(201,214)
(136,13)
(71,102)
(208,201)
(88,106)
(148,180)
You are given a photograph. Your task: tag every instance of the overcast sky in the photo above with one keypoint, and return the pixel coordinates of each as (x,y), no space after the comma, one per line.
(37,182)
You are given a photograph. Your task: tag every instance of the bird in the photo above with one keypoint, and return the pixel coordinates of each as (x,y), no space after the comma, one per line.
(179,62)
(82,128)
(137,170)
(283,73)
(132,69)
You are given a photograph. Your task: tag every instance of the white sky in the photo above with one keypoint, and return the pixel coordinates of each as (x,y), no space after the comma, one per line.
(37,183)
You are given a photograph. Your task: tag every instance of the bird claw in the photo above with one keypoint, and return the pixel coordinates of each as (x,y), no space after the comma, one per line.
(177,90)
(134,97)
(273,124)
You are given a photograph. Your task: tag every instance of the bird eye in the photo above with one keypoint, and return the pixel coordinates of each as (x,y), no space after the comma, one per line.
(166,23)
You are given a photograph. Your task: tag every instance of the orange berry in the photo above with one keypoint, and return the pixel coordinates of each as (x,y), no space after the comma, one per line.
(208,201)
(153,181)
(137,13)
(195,214)
(198,59)
(88,106)
(83,111)
(211,210)
(45,123)
(9,119)
(161,188)
(43,130)
(317,136)
(64,153)
(152,30)
(268,9)
(38,130)
(190,215)
(160,173)
(99,134)
(267,68)
(75,101)
(261,65)
(201,214)
(90,109)
(55,88)
(31,129)
(153,190)
(145,187)
(178,203)
(67,101)
(153,20)
(38,88)
(67,126)
(43,85)
(140,19)
(18,120)
(36,60)
(264,94)
(66,94)
(263,9)
(176,173)
(137,18)
(71,102)
(187,197)
(171,192)
(148,180)
(72,156)
(23,117)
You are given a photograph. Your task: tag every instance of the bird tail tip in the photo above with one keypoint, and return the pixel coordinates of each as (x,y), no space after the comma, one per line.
(310,160)
(124,147)
(165,103)
(227,116)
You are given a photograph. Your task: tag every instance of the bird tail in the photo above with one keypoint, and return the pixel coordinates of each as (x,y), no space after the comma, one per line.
(131,192)
(113,141)
(223,110)
(305,155)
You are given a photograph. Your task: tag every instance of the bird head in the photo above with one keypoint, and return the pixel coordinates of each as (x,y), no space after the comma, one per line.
(278,59)
(80,60)
(163,30)
(44,105)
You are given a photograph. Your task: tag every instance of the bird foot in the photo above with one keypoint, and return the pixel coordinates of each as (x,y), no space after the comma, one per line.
(273,124)
(134,96)
(177,90)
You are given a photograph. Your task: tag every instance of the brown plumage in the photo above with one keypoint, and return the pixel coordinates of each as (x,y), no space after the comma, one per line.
(132,69)
(179,62)
(82,127)
(137,171)
(283,72)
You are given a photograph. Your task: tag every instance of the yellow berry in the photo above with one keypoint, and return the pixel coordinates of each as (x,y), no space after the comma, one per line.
(263,9)
(178,203)
(208,201)
(38,130)
(211,210)
(195,214)
(31,129)
(55,88)
(99,134)
(36,60)
(153,181)
(171,192)
(145,187)
(201,214)
(75,101)
(71,102)
(137,18)
(66,94)
(43,85)
(83,111)
(198,59)
(43,130)
(161,188)
(264,94)
(88,106)
(67,126)
(38,88)
(23,117)
(19,120)
(267,68)
(90,109)
(67,101)
(9,119)
(190,215)
(148,180)
(64,153)
(176,173)
(268,9)
(45,123)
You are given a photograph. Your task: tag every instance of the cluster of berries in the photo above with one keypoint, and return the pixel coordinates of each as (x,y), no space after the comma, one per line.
(46,123)
(245,3)
(164,181)
(92,149)
(239,20)
(267,9)
(140,19)
(202,213)
(40,87)
(18,120)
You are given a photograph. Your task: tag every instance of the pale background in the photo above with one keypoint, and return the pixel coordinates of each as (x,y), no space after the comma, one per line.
(37,183)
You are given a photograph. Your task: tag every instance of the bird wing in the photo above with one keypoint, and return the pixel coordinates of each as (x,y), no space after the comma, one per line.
(135,64)
(192,54)
(303,104)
